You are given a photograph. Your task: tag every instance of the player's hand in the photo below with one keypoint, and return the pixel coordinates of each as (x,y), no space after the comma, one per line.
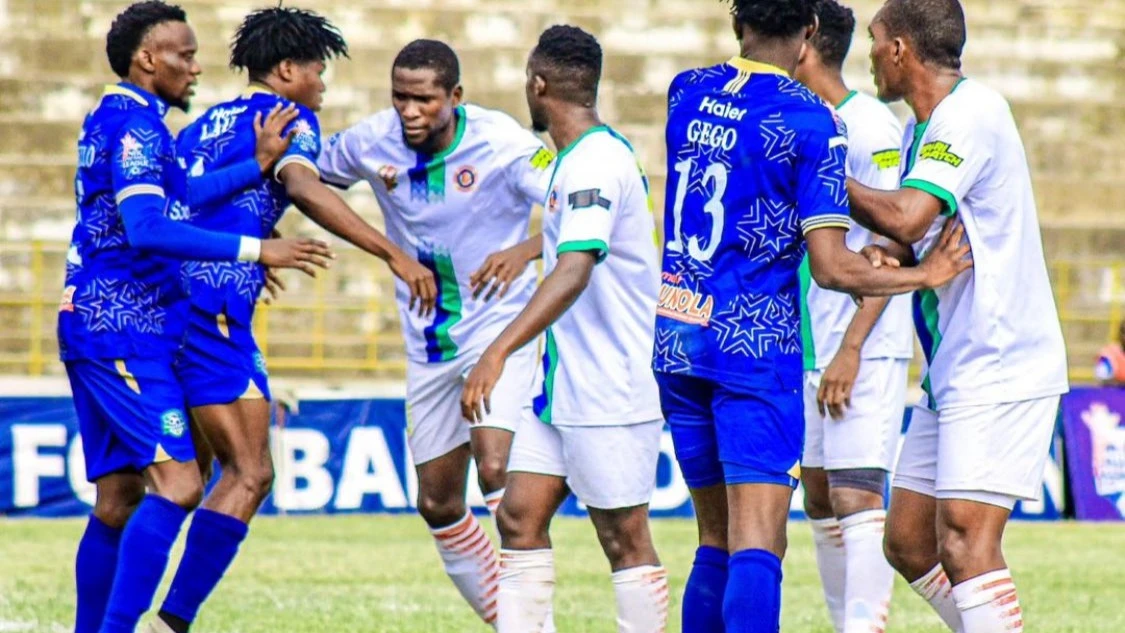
(274,286)
(498,272)
(879,256)
(477,392)
(835,393)
(271,145)
(949,257)
(304,254)
(420,280)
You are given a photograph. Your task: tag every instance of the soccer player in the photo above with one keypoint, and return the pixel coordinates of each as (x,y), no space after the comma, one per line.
(855,363)
(756,165)
(222,372)
(993,344)
(455,183)
(596,426)
(119,319)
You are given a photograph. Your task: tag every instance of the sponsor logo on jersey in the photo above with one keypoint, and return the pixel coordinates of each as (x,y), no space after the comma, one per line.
(682,304)
(389,175)
(134,156)
(553,200)
(305,137)
(886,159)
(939,151)
(220,122)
(66,304)
(466,179)
(542,159)
(173,423)
(721,109)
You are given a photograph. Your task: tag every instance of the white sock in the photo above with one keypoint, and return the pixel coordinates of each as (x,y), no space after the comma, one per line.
(642,599)
(935,588)
(527,588)
(989,604)
(870,578)
(492,500)
(470,560)
(832,564)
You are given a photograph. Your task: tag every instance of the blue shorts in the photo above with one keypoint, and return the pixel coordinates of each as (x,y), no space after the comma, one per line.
(737,435)
(219,362)
(130,414)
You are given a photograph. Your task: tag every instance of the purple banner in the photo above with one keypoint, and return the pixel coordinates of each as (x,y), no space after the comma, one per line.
(1094,427)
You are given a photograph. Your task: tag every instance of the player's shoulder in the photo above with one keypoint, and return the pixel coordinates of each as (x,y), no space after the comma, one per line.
(495,128)
(972,104)
(601,150)
(868,118)
(700,78)
(801,108)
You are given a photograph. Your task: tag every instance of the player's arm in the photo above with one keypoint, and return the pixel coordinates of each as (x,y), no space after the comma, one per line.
(501,268)
(324,207)
(903,215)
(834,394)
(340,160)
(271,145)
(552,298)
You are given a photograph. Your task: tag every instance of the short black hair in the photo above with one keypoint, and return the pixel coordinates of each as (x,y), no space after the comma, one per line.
(573,59)
(935,27)
(834,33)
(434,55)
(773,18)
(268,37)
(130,27)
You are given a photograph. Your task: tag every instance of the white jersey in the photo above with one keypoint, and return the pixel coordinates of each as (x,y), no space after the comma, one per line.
(597,367)
(992,335)
(451,210)
(874,139)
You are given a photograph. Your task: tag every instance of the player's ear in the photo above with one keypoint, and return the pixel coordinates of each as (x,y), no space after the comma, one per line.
(457,94)
(539,85)
(899,52)
(285,70)
(145,59)
(812,28)
(736,27)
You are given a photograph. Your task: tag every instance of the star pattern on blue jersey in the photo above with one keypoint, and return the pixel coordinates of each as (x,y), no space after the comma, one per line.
(690,77)
(691,271)
(833,176)
(794,88)
(779,140)
(114,305)
(668,353)
(103,223)
(239,275)
(767,229)
(754,326)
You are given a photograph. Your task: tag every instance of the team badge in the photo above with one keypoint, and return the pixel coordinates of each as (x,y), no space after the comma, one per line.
(173,423)
(553,201)
(466,179)
(390,176)
(135,158)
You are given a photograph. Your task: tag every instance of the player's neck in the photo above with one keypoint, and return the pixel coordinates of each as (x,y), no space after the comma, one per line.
(571,123)
(782,53)
(829,85)
(929,88)
(143,81)
(263,84)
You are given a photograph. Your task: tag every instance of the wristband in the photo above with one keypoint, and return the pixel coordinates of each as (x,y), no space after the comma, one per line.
(249,249)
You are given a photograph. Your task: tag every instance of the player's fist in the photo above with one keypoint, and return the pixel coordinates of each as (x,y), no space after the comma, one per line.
(304,254)
(420,280)
(949,257)
(879,256)
(477,392)
(271,145)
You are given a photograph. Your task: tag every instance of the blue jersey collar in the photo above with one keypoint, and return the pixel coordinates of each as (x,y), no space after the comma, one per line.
(750,66)
(138,94)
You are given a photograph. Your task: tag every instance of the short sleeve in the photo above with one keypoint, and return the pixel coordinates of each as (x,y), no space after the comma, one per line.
(590,201)
(950,159)
(822,195)
(340,159)
(305,148)
(135,152)
(527,164)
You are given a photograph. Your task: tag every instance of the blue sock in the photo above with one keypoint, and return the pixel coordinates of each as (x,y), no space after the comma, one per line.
(706,586)
(93,573)
(753,600)
(145,546)
(212,544)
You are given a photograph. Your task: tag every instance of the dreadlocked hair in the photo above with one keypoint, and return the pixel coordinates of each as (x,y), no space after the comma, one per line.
(773,18)
(268,37)
(130,27)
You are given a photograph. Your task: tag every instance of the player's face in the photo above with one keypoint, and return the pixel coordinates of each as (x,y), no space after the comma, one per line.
(424,106)
(306,84)
(886,55)
(535,88)
(169,50)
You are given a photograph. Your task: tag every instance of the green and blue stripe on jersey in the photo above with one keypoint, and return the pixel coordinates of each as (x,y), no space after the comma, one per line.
(542,404)
(440,346)
(428,176)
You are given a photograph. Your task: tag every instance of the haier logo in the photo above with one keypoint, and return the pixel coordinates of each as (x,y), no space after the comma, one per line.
(220,122)
(721,109)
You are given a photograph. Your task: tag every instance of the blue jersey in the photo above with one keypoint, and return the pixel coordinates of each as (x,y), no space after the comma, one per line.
(121,301)
(755,162)
(223,137)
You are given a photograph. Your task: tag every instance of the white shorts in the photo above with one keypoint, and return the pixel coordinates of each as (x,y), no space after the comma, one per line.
(433,401)
(868,435)
(606,467)
(993,454)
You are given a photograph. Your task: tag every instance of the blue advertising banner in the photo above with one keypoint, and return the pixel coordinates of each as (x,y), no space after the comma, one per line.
(1095,449)
(333,456)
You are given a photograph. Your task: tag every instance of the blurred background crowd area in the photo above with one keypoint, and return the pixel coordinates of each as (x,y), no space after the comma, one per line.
(1061,63)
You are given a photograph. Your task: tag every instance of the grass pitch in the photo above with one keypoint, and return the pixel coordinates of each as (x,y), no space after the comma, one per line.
(348,574)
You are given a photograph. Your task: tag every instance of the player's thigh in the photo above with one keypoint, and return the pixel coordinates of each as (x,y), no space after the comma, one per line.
(995,454)
(612,467)
(686,402)
(760,434)
(220,362)
(238,433)
(916,470)
(867,436)
(433,409)
(813,453)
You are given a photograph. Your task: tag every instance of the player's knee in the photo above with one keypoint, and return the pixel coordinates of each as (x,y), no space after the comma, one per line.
(900,553)
(492,473)
(519,529)
(257,481)
(440,510)
(114,511)
(817,507)
(186,494)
